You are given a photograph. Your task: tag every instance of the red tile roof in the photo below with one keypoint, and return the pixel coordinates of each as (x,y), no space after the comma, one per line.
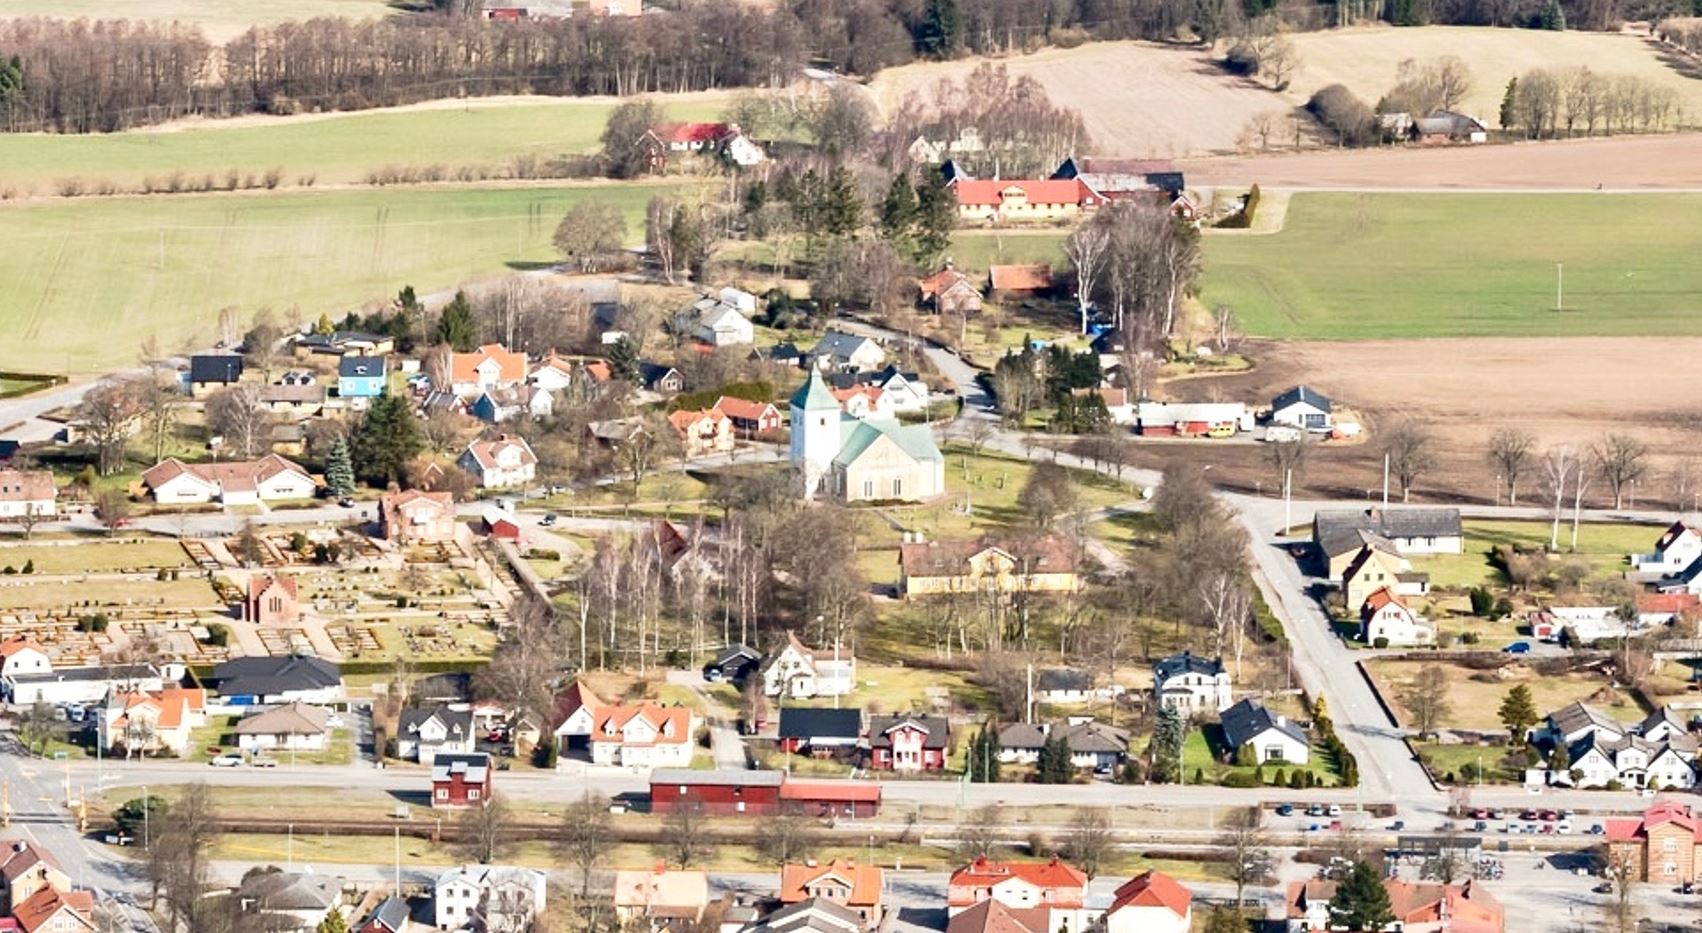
(16,644)
(1383,597)
(865,881)
(26,485)
(1667,602)
(691,132)
(38,911)
(990,191)
(992,916)
(672,723)
(511,366)
(1152,889)
(832,791)
(744,409)
(260,583)
(1020,278)
(1065,881)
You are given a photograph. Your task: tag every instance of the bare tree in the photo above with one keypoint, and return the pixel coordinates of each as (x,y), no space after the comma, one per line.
(787,836)
(1512,452)
(1288,458)
(112,507)
(108,415)
(1426,698)
(683,833)
(184,838)
(1559,464)
(1408,449)
(239,415)
(1621,460)
(1620,910)
(1086,249)
(1089,841)
(978,836)
(1453,81)
(1245,851)
(483,833)
(586,837)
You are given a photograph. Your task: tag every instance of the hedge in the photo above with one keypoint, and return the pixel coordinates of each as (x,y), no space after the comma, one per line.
(758,391)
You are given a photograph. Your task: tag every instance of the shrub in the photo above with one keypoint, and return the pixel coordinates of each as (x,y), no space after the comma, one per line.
(1380,642)
(1482,601)
(1615,785)
(218,635)
(539,553)
(1199,776)
(1240,779)
(1345,115)
(1297,779)
(1281,779)
(1503,609)
(29,565)
(93,623)
(1470,638)
(1244,756)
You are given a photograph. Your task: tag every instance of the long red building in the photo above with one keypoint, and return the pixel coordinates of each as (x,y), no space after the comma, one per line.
(759,793)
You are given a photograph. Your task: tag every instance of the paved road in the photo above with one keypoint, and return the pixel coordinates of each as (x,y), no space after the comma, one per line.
(36,792)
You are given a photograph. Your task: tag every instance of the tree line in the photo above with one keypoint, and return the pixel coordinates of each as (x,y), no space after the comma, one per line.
(106,75)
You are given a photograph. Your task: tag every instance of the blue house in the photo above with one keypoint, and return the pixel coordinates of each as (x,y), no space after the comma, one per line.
(361,376)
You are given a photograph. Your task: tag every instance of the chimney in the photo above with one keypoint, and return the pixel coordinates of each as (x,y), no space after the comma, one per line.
(1282,720)
(810,862)
(921,538)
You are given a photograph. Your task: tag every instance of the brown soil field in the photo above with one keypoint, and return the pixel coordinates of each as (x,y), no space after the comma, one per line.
(1137,98)
(1621,163)
(1562,390)
(1366,58)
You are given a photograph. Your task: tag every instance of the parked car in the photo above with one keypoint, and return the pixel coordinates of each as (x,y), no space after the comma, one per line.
(1603,888)
(548,520)
(1335,809)
(1480,826)
(1397,826)
(260,762)
(1286,809)
(226,761)
(1518,647)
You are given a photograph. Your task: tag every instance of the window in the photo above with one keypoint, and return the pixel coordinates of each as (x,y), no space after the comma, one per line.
(868,489)
(443,793)
(472,793)
(897,488)
(1669,844)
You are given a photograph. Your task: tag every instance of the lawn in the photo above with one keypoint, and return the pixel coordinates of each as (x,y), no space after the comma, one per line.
(1475,704)
(1453,759)
(335,149)
(96,556)
(1464,265)
(1604,546)
(45,595)
(1201,749)
(87,281)
(976,250)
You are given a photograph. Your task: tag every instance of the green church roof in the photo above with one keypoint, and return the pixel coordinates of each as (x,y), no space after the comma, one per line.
(916,440)
(813,395)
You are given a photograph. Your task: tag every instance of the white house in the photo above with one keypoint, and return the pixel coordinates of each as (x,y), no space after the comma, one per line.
(864,402)
(1190,684)
(503,404)
(801,673)
(1587,624)
(844,352)
(910,395)
(643,736)
(21,655)
(501,462)
(488,897)
(1388,618)
(720,320)
(552,373)
(1659,751)
(284,900)
(1302,408)
(743,151)
(490,366)
(87,684)
(421,734)
(1273,737)
(236,482)
(1677,548)
(1151,902)
(26,492)
(295,727)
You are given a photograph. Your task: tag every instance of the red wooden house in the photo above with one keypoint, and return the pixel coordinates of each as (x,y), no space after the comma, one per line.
(750,418)
(909,743)
(462,780)
(500,523)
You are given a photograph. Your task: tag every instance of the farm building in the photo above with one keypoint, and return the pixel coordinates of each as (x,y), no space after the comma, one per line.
(720,792)
(1192,419)
(1022,200)
(500,523)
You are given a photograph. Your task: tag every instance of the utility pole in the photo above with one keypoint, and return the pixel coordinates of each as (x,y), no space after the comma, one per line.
(1385,482)
(1287,500)
(1560,286)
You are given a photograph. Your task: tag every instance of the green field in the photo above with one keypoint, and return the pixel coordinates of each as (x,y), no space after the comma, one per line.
(1371,266)
(337,149)
(219,20)
(1603,546)
(84,281)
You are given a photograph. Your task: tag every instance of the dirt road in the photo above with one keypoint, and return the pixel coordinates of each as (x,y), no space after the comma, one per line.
(1623,163)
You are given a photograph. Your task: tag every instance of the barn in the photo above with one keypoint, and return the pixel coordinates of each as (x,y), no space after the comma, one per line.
(720,792)
(833,798)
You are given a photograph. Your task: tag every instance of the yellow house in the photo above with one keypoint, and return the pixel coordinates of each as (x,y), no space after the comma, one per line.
(1043,564)
(1022,200)
(1379,565)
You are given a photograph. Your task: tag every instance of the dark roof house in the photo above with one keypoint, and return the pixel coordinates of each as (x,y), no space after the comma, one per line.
(264,677)
(881,727)
(820,727)
(215,369)
(1300,394)
(1248,719)
(1336,531)
(1185,663)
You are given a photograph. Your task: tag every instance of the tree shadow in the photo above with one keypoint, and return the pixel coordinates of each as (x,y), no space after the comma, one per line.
(526,265)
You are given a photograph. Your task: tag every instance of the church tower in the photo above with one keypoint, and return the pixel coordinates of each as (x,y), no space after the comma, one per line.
(815,432)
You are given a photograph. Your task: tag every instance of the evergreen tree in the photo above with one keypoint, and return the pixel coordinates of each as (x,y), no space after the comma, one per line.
(1510,104)
(1166,747)
(984,755)
(685,234)
(1518,713)
(1553,17)
(941,32)
(756,196)
(339,468)
(333,923)
(841,206)
(1361,901)
(936,216)
(1560,760)
(898,211)
(455,325)
(388,438)
(407,301)
(1054,765)
(623,360)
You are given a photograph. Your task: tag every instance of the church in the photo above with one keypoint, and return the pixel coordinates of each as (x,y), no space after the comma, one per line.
(851,460)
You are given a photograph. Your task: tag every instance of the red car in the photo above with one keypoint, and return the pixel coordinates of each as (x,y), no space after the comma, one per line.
(495,735)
